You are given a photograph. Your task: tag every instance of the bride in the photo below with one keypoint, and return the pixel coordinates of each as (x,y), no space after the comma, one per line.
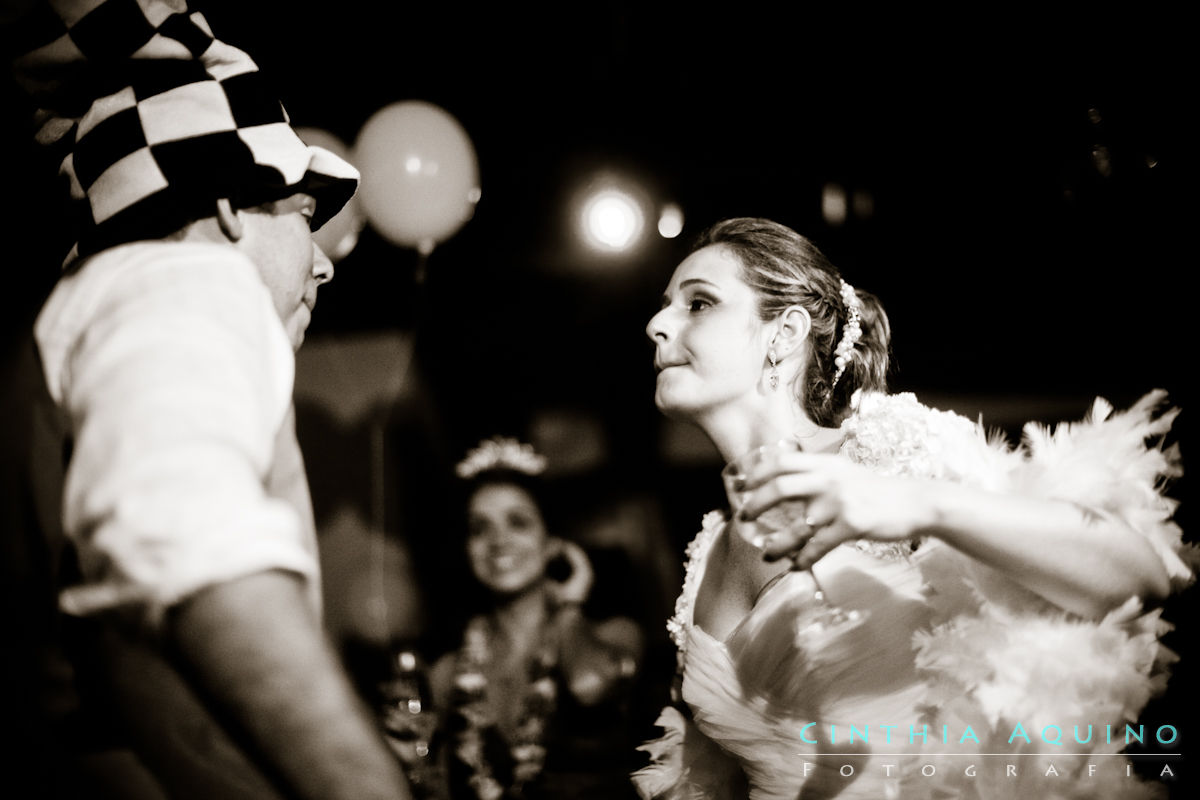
(940,605)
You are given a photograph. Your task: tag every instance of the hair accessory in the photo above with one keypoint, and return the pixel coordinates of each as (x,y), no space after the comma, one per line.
(851,332)
(773,376)
(501,452)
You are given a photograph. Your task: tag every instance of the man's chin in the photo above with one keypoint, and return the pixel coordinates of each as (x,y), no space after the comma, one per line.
(297,326)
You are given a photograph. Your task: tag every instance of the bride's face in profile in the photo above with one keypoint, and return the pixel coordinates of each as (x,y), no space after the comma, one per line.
(506,538)
(710,344)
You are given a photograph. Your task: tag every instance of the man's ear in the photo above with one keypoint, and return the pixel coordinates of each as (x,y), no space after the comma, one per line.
(794,326)
(227,218)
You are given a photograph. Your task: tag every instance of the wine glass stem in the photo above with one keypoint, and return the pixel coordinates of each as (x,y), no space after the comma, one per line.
(818,590)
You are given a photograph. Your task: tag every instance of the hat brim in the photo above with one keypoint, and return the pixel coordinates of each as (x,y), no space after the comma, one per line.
(331,180)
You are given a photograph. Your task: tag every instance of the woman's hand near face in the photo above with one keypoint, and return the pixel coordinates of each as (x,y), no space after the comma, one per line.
(843,501)
(597,657)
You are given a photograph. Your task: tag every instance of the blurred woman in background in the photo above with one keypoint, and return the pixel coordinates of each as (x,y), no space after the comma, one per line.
(531,704)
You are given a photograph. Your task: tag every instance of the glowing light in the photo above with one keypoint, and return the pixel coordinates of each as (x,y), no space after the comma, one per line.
(863,203)
(670,221)
(833,204)
(612,220)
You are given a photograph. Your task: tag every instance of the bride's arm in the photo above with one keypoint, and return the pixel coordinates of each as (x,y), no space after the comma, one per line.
(1083,562)
(1080,561)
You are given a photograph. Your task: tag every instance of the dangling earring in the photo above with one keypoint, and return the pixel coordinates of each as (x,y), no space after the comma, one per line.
(773,375)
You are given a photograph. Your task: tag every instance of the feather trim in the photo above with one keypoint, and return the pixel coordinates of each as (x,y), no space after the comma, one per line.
(1042,669)
(686,765)
(1016,657)
(1114,464)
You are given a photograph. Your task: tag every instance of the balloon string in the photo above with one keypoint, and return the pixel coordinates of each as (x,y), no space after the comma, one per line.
(379,461)
(378,608)
(422,264)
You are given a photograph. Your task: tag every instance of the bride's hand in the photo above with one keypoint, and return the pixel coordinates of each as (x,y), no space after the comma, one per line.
(843,501)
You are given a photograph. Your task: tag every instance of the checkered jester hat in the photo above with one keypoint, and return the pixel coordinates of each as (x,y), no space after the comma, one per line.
(157,119)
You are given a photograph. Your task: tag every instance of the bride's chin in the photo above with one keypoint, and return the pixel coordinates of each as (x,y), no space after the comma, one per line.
(672,406)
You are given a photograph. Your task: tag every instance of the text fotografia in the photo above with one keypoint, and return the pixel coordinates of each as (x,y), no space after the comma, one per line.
(914,742)
(1053,735)
(972,770)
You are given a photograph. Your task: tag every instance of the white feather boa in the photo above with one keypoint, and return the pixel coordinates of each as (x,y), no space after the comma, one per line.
(1015,657)
(997,653)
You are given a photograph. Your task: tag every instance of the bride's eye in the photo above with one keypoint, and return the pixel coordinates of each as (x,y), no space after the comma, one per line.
(700,303)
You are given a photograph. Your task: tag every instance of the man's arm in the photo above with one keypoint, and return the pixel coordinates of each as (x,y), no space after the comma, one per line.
(182,418)
(256,649)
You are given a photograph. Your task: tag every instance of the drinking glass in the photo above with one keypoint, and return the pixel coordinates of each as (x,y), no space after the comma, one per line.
(782,516)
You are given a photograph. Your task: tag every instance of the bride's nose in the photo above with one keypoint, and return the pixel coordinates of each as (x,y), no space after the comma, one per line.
(658,327)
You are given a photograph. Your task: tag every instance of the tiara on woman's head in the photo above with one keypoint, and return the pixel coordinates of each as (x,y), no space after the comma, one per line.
(501,452)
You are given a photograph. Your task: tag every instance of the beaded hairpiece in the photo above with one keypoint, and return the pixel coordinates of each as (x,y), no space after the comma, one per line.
(500,452)
(851,332)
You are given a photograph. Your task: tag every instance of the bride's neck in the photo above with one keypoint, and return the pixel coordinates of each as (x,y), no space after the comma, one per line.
(736,430)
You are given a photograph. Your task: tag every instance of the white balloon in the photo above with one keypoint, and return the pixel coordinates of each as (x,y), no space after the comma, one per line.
(420,175)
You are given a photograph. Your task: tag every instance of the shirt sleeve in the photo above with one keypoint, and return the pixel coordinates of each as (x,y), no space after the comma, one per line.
(178,388)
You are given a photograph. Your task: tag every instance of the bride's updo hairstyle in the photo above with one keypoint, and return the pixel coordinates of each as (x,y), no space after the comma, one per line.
(785,269)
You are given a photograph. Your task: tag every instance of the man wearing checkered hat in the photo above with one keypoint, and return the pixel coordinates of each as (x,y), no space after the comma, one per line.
(189,573)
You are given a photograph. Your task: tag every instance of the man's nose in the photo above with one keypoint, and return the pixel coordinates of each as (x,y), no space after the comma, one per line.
(322,267)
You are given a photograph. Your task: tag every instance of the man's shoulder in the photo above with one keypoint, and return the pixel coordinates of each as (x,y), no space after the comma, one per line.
(168,253)
(142,268)
(145,283)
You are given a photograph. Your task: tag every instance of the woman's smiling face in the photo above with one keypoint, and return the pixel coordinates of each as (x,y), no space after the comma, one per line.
(506,541)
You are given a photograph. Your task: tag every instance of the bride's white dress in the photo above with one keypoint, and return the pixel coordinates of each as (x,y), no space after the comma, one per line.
(952,681)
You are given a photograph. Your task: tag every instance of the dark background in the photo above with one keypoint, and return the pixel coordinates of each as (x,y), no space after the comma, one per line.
(1011,263)
(1032,176)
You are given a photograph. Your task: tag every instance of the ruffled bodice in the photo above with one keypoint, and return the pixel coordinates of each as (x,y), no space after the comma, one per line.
(778,691)
(943,658)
